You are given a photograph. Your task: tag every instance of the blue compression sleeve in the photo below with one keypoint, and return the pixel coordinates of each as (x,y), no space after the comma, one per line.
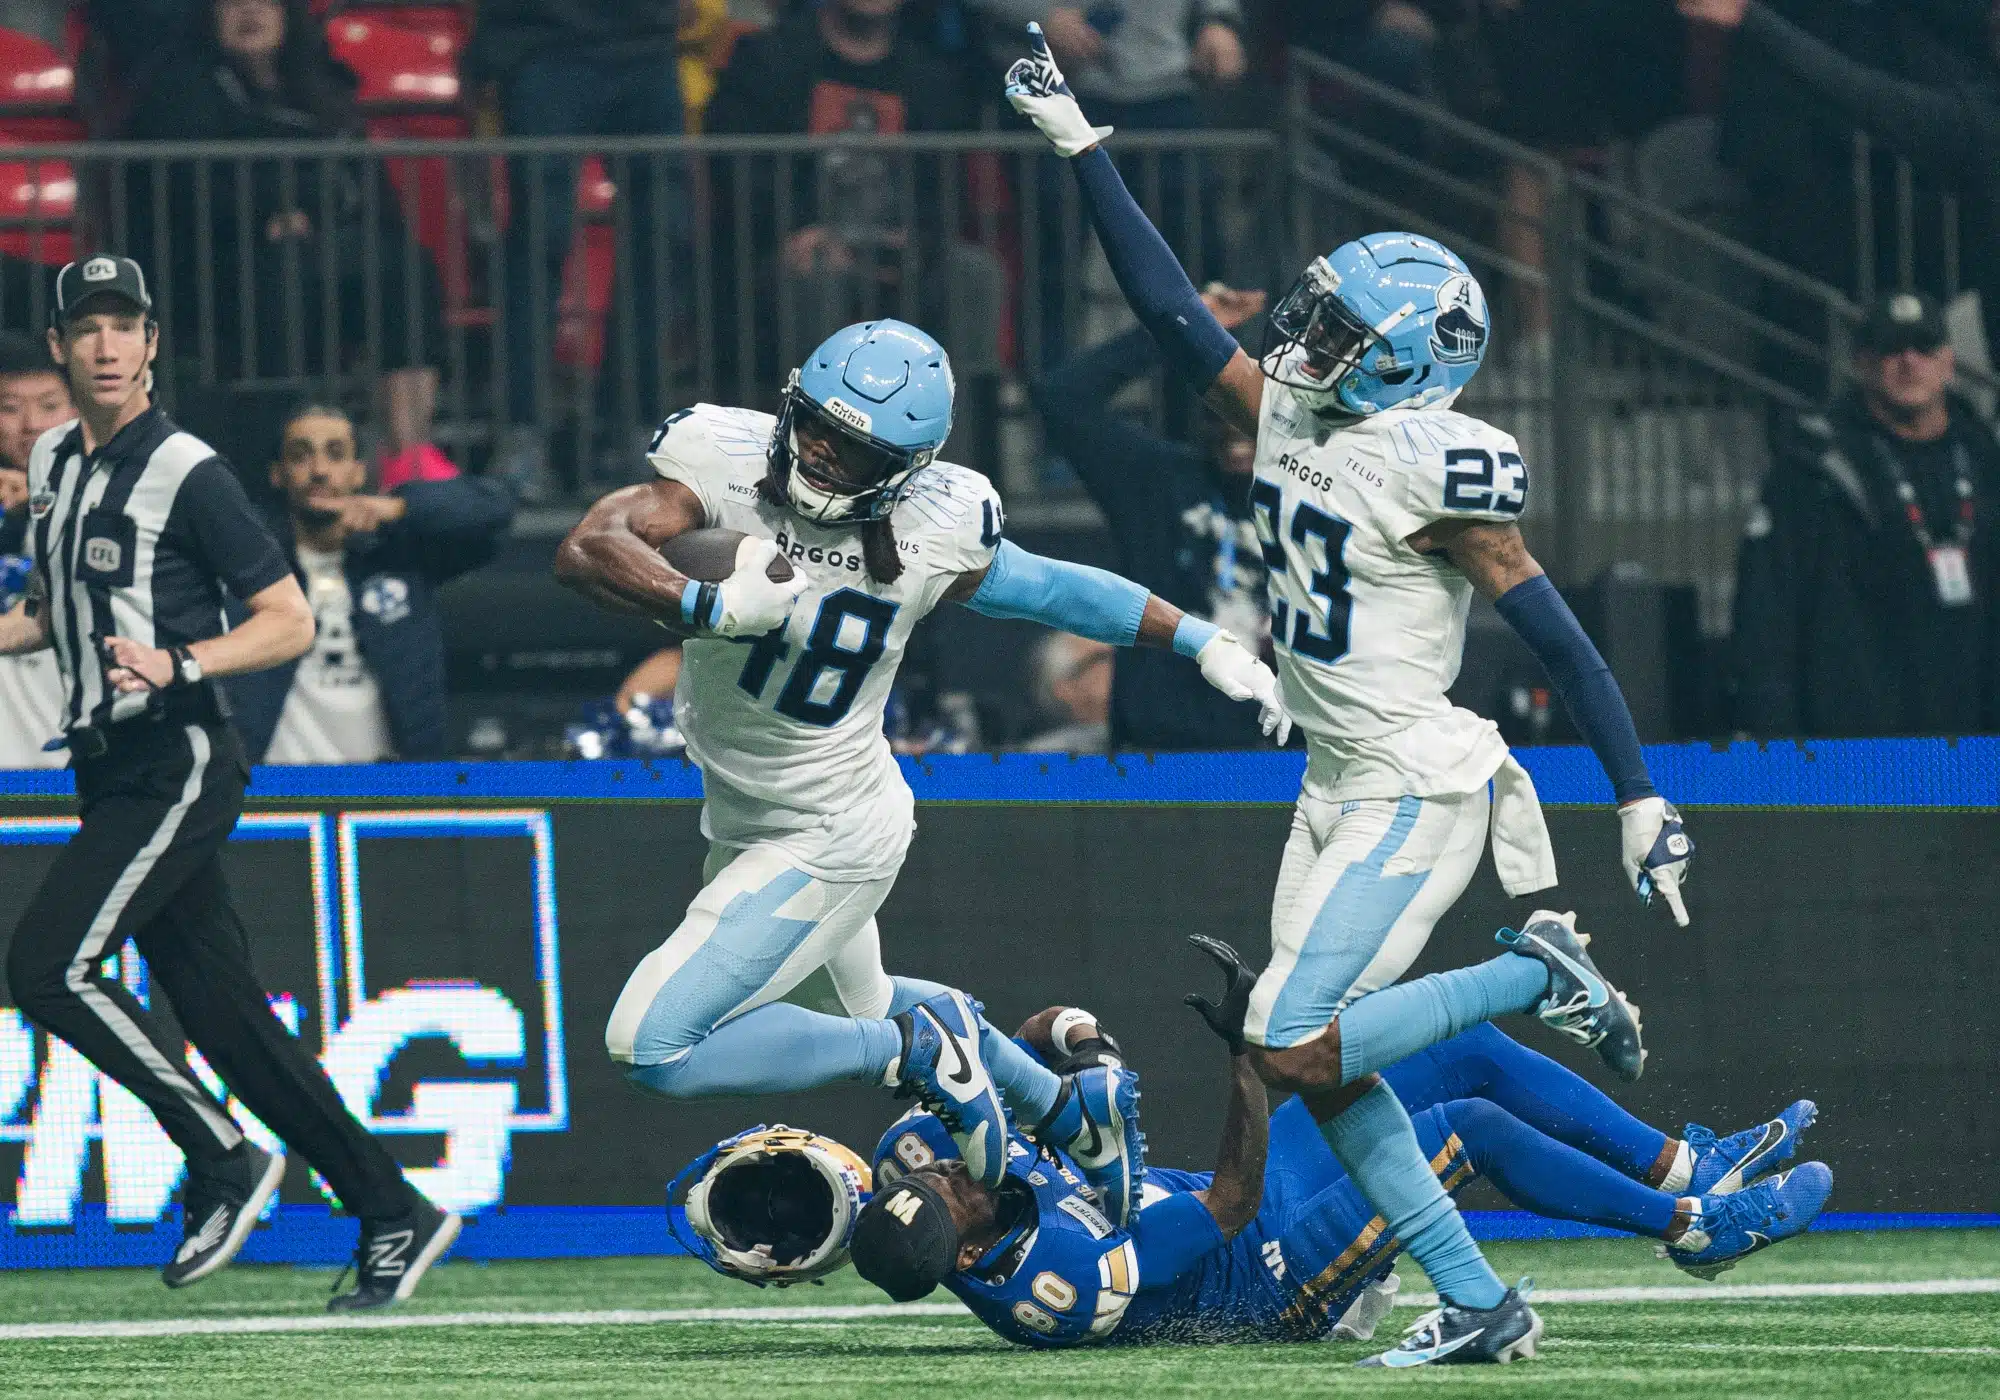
(1172,1236)
(1377,1144)
(1192,634)
(1485,1063)
(1551,1179)
(1387,1025)
(1543,620)
(1074,597)
(1191,340)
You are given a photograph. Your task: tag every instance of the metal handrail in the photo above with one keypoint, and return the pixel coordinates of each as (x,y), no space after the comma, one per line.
(390,148)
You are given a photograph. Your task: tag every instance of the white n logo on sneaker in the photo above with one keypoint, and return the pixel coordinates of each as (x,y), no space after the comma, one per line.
(385,1252)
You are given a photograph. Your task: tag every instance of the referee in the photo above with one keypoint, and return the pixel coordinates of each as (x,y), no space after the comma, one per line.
(135,530)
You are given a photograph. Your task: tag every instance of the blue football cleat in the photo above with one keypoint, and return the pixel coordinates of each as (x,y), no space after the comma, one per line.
(940,1064)
(1581,1004)
(1732,1228)
(1096,1122)
(1458,1336)
(1724,1165)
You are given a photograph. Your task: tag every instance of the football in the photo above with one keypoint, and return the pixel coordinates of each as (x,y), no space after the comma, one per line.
(710,555)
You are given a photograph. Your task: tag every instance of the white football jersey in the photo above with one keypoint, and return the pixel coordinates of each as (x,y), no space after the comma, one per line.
(787,728)
(1370,633)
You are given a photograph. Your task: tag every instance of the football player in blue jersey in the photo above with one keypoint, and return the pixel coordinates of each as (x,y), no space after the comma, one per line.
(1277,1243)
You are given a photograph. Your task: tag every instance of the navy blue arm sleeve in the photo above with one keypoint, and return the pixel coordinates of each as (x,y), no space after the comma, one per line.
(1171,1237)
(1543,620)
(1166,303)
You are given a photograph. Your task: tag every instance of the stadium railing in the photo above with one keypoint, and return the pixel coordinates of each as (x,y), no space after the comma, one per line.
(1639,352)
(979,236)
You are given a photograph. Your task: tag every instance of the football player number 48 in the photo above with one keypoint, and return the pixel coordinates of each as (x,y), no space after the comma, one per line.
(848,636)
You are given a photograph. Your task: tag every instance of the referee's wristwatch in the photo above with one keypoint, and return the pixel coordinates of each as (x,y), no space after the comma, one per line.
(187,670)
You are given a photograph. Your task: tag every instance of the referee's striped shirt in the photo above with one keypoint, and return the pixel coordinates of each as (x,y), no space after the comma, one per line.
(138,540)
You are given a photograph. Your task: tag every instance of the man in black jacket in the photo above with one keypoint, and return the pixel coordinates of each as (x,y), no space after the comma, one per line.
(854,233)
(1869,576)
(373,685)
(1949,128)
(1180,515)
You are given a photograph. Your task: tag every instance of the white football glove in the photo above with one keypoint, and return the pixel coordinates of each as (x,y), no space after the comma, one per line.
(1228,666)
(1657,851)
(1036,88)
(751,604)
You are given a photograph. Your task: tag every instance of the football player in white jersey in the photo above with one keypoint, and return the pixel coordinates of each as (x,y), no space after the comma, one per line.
(781,700)
(1380,512)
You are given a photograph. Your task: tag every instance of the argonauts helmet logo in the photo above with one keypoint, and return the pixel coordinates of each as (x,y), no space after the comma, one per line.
(1458,335)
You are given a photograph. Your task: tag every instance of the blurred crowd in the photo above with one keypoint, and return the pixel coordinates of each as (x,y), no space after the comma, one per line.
(1868,570)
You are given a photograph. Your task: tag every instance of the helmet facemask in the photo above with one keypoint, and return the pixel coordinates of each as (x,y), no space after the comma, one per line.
(830,467)
(776,1206)
(1313,339)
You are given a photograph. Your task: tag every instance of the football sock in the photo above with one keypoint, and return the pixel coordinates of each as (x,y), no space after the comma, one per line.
(1383,1027)
(1553,1179)
(1485,1063)
(1375,1141)
(1029,1086)
(774,1050)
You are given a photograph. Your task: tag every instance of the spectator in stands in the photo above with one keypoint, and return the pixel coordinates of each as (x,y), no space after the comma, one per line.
(853,237)
(1868,588)
(1180,516)
(1950,128)
(259,70)
(1073,690)
(373,685)
(34,397)
(578,68)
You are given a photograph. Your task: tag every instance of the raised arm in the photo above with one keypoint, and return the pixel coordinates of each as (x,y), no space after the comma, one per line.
(1237,1188)
(1934,126)
(1104,607)
(1496,559)
(1193,341)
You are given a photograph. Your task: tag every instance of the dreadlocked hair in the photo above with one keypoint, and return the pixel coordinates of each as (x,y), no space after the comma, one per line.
(878,537)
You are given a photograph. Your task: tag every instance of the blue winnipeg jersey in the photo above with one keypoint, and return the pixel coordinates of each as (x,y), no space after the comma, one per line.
(1063,1274)
(1313,1246)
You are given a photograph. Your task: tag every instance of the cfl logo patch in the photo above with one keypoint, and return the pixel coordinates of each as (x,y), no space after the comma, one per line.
(103,556)
(1678,844)
(1274,1259)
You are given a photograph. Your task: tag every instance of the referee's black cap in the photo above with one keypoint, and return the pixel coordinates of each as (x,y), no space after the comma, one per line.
(100,275)
(905,1242)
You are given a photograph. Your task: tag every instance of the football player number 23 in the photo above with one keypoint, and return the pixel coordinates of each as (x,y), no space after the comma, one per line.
(848,636)
(1322,540)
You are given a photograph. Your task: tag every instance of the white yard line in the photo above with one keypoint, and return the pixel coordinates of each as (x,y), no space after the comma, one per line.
(870,1312)
(1788,1348)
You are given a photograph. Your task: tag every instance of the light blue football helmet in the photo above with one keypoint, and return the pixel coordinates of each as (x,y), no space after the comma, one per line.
(882,392)
(1391,320)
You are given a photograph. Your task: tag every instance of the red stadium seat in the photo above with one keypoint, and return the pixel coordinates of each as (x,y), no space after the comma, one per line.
(37,207)
(400,69)
(35,77)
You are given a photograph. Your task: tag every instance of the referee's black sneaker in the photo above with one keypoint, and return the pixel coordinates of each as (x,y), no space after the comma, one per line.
(219,1209)
(393,1254)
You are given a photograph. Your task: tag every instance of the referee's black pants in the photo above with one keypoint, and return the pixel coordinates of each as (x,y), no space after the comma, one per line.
(157,807)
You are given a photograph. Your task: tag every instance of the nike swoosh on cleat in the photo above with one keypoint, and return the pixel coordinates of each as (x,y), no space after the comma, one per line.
(1774,1137)
(962,1074)
(1592,983)
(1405,1359)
